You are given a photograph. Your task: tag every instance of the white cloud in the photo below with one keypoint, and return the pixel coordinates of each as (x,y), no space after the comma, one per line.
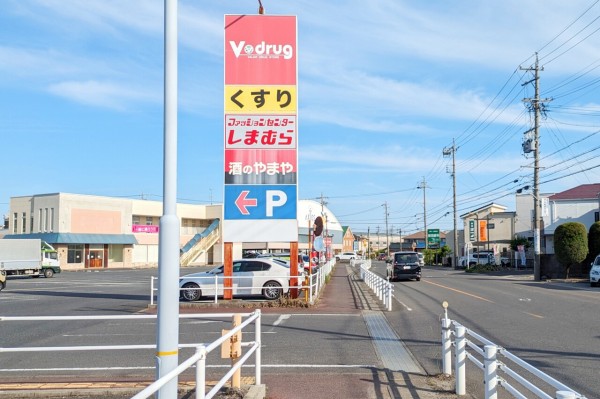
(103,94)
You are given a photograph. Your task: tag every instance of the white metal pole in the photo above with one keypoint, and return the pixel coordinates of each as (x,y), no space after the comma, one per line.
(167,353)
(257,354)
(490,376)
(461,357)
(201,373)
(151,290)
(446,347)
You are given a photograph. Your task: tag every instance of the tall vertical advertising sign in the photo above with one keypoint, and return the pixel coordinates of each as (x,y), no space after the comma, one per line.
(261,129)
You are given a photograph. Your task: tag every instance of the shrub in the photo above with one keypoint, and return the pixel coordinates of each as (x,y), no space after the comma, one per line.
(570,244)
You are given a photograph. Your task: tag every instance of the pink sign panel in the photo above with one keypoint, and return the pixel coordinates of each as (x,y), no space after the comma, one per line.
(260,49)
(142,228)
(260,131)
(260,167)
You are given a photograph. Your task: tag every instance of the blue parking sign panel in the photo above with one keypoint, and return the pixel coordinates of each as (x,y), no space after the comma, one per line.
(260,202)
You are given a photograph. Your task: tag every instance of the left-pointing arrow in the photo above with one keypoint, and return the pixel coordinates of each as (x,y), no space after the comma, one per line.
(242,202)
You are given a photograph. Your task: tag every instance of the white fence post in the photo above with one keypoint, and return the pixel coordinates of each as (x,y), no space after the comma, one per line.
(461,357)
(446,347)
(390,295)
(152,290)
(490,376)
(201,372)
(257,353)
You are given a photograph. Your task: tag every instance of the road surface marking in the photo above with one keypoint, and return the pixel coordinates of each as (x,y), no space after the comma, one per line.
(534,315)
(281,318)
(459,291)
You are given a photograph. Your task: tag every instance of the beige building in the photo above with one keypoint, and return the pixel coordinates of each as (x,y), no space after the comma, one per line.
(490,227)
(99,232)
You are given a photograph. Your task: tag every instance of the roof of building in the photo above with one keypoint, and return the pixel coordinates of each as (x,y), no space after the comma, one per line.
(420,235)
(584,191)
(76,238)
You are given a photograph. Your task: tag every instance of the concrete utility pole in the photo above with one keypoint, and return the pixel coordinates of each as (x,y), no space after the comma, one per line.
(387,236)
(535,106)
(423,185)
(447,152)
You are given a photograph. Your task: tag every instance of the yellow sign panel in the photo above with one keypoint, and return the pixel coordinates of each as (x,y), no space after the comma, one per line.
(260,99)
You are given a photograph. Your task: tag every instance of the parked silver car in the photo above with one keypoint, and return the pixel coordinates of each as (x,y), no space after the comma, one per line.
(268,277)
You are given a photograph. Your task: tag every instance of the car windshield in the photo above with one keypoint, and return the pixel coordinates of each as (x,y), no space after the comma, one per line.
(406,258)
(217,270)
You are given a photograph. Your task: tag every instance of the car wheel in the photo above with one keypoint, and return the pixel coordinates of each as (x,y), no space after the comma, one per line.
(418,278)
(48,273)
(272,290)
(191,292)
(593,284)
(2,285)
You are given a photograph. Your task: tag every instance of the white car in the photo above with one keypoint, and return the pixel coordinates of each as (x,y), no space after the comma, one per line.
(346,256)
(268,277)
(595,272)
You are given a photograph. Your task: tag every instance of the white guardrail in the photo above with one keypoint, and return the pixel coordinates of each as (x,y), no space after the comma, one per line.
(496,371)
(198,359)
(380,286)
(310,285)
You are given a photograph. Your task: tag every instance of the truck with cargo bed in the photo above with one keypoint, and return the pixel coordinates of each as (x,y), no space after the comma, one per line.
(32,257)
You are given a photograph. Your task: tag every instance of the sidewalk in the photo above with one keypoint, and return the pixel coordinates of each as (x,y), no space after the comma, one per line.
(346,293)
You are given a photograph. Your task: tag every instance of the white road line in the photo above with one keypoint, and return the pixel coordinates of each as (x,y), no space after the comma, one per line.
(281,318)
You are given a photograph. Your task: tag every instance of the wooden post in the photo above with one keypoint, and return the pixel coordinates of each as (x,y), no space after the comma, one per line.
(294,269)
(228,272)
(236,346)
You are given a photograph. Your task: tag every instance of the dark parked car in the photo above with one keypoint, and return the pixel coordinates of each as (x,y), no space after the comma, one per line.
(404,265)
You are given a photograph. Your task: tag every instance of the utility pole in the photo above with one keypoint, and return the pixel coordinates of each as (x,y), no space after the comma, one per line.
(536,107)
(423,185)
(400,234)
(369,242)
(387,235)
(446,152)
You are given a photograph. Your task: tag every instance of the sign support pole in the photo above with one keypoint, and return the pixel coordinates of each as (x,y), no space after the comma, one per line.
(294,269)
(228,272)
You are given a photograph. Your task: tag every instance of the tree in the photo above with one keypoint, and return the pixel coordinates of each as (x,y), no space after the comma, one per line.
(519,240)
(593,243)
(570,244)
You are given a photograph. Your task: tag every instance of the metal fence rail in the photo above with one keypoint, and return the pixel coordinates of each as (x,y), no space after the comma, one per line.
(493,361)
(382,287)
(198,359)
(311,283)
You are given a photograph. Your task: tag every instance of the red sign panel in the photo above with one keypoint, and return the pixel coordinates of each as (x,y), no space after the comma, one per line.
(262,48)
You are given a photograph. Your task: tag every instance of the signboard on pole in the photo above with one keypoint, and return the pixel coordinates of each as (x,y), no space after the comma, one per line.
(260,129)
(433,237)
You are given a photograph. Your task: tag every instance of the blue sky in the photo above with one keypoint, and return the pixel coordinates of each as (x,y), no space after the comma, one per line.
(383,87)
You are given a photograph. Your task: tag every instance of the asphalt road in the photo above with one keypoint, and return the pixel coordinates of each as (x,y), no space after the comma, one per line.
(552,325)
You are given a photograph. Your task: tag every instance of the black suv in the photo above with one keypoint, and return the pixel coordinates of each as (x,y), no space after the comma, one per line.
(405,265)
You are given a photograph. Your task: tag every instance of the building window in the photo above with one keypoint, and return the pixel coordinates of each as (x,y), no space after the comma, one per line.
(148,220)
(45,220)
(115,253)
(51,219)
(135,220)
(40,220)
(75,253)
(24,223)
(15,220)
